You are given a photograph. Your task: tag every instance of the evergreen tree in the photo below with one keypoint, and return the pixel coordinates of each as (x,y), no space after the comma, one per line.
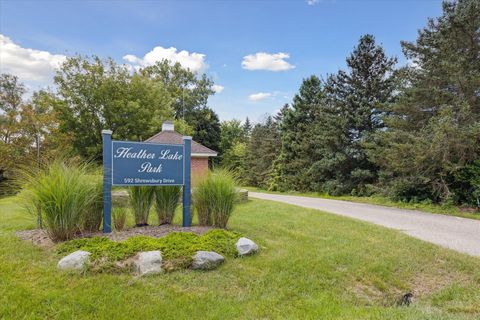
(351,114)
(247,129)
(433,136)
(278,117)
(298,143)
(206,128)
(262,149)
(324,131)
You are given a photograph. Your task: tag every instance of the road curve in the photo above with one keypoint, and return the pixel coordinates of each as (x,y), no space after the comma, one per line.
(460,234)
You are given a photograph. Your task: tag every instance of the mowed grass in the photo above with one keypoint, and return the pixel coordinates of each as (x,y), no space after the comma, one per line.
(383,201)
(312,265)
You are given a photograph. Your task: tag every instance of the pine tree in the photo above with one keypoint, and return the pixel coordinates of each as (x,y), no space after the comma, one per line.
(206,127)
(262,150)
(298,143)
(247,129)
(352,113)
(433,135)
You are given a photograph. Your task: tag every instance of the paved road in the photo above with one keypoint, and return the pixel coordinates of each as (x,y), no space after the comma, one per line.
(456,233)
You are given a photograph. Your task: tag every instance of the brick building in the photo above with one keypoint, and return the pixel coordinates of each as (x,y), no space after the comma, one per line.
(200,153)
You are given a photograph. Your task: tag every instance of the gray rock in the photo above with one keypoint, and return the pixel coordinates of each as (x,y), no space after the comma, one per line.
(76,261)
(207,260)
(149,262)
(246,246)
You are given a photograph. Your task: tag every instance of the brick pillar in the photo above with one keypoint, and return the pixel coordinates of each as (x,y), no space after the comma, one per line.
(199,169)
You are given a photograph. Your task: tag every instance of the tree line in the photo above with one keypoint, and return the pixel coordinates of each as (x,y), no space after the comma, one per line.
(91,94)
(411,133)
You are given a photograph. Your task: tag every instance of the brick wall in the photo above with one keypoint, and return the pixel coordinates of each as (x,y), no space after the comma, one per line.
(199,169)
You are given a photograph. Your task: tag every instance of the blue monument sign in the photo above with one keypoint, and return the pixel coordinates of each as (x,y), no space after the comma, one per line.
(147,164)
(129,163)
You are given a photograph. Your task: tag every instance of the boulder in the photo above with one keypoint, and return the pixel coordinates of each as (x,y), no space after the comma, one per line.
(246,246)
(148,262)
(207,260)
(242,195)
(76,261)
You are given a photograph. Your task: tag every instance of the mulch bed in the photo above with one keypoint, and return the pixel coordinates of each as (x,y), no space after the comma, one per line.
(40,238)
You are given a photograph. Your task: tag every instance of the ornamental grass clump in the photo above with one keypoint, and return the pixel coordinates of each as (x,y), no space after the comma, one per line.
(141,200)
(119,216)
(166,202)
(201,203)
(61,194)
(214,198)
(93,217)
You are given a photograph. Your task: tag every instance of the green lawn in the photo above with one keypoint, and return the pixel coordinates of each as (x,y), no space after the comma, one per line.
(383,201)
(312,265)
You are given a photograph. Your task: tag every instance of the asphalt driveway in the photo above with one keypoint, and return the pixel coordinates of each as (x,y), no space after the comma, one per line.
(451,232)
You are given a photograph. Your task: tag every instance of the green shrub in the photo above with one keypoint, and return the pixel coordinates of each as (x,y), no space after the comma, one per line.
(214,198)
(166,202)
(119,216)
(61,194)
(141,200)
(177,248)
(466,185)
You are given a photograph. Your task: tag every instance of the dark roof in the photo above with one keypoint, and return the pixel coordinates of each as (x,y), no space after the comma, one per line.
(173,137)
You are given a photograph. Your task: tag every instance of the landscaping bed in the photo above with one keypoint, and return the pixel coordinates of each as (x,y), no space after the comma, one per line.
(176,249)
(116,252)
(40,237)
(65,196)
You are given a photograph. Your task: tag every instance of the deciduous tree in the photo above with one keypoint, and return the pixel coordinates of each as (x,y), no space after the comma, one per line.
(100,94)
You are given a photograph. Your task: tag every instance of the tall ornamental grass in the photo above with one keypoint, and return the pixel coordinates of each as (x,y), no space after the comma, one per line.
(214,198)
(141,200)
(62,194)
(119,216)
(92,220)
(166,202)
(201,203)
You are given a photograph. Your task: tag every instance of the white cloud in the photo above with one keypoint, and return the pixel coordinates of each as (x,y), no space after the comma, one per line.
(312,2)
(193,61)
(218,88)
(267,61)
(259,96)
(28,64)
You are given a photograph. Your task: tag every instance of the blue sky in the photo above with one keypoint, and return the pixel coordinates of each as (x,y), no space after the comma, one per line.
(285,41)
